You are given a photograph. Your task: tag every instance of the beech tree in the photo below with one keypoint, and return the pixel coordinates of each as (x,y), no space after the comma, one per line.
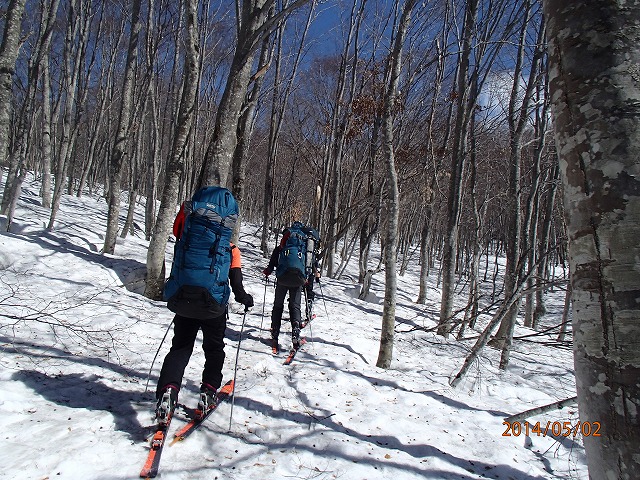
(176,163)
(8,55)
(253,23)
(465,103)
(519,113)
(392,75)
(593,74)
(122,136)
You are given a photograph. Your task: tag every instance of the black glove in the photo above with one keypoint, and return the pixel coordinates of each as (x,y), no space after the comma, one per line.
(247,301)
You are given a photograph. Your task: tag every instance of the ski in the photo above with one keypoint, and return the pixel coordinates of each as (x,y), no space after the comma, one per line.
(308,321)
(293,352)
(198,416)
(150,468)
(275,347)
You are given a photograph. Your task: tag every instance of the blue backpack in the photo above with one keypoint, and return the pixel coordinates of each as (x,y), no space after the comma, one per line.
(198,286)
(297,257)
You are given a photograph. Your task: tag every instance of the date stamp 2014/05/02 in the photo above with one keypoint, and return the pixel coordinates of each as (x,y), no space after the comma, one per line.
(557,429)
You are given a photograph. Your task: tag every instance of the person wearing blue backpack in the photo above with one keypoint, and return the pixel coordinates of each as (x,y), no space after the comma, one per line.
(206,268)
(295,264)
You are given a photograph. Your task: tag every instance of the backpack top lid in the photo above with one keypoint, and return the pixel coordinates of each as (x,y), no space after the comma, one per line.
(296,226)
(303,230)
(217,204)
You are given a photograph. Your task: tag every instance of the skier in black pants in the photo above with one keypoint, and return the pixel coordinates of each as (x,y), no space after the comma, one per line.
(295,298)
(185,331)
(294,288)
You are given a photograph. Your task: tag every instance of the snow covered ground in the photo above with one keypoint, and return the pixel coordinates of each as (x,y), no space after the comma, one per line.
(77,341)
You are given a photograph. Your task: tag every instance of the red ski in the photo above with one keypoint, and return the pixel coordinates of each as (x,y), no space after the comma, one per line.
(199,416)
(150,468)
(293,352)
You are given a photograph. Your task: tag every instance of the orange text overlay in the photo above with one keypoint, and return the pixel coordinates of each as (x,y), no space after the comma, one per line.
(557,429)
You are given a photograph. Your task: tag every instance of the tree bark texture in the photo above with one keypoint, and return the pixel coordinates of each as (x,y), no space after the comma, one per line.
(8,55)
(253,24)
(595,86)
(176,164)
(458,156)
(122,136)
(385,353)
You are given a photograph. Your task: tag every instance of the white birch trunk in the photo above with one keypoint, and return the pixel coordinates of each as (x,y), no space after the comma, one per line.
(394,68)
(594,78)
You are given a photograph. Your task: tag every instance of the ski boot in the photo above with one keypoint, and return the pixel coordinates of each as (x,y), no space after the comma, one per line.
(166,404)
(207,398)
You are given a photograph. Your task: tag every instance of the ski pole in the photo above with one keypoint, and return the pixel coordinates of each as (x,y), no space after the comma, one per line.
(146,388)
(235,368)
(264,300)
(306,306)
(308,310)
(323,301)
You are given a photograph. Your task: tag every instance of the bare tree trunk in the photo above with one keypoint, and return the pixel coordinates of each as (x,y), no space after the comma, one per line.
(253,24)
(122,135)
(128,226)
(175,166)
(46,136)
(371,222)
(17,169)
(220,151)
(154,163)
(392,77)
(543,247)
(566,310)
(458,156)
(152,174)
(245,131)
(75,36)
(279,103)
(540,410)
(335,148)
(483,339)
(105,80)
(594,58)
(518,118)
(8,55)
(277,111)
(426,233)
(478,211)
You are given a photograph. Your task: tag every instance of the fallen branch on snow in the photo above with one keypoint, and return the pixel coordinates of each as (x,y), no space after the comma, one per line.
(539,410)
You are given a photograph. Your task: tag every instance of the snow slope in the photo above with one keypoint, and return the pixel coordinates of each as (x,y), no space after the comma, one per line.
(78,339)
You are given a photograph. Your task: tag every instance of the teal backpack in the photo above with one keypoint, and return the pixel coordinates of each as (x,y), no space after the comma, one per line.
(297,256)
(198,286)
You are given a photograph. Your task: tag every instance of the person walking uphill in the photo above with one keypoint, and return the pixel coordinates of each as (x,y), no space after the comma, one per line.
(294,261)
(205,263)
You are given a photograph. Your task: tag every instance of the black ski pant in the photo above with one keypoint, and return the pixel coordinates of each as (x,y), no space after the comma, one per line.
(185,331)
(295,296)
(310,294)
